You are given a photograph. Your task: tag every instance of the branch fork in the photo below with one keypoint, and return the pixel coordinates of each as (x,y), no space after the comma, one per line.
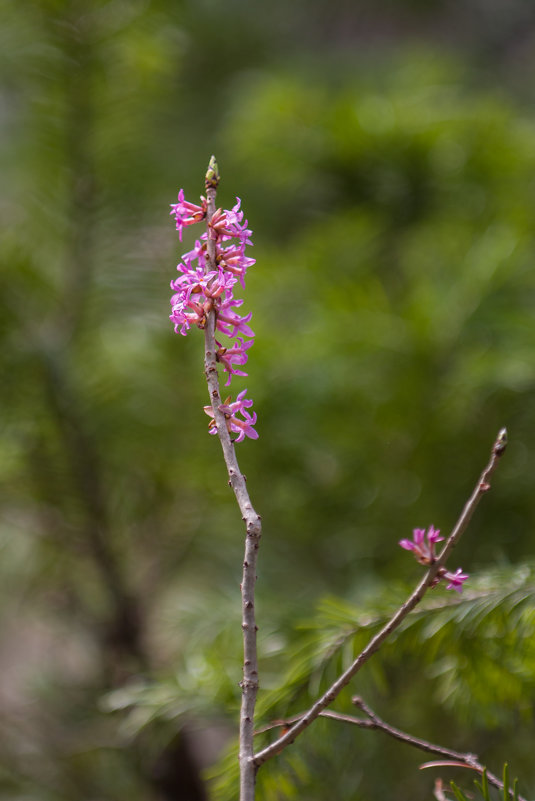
(218,313)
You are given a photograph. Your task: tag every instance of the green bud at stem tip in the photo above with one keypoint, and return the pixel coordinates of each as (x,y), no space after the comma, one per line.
(211,180)
(501,442)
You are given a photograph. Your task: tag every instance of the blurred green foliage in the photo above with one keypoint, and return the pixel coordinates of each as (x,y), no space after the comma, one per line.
(391,186)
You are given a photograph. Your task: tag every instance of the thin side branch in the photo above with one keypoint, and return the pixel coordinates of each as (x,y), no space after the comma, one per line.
(253,528)
(482,486)
(373,721)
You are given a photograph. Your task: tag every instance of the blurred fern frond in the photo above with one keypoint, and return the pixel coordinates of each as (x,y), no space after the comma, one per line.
(492,625)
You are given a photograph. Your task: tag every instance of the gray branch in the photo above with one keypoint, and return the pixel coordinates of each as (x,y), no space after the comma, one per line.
(253,528)
(481,487)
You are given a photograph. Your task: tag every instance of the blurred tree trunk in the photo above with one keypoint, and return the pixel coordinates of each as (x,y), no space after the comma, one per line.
(120,634)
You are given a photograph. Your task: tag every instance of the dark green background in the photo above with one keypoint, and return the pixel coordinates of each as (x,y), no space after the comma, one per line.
(385,157)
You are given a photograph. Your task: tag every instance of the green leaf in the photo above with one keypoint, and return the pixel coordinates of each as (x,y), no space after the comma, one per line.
(483,786)
(506,782)
(459,795)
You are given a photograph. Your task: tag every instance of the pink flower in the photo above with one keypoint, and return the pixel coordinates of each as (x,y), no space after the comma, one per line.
(235,217)
(230,323)
(456,580)
(234,355)
(234,260)
(187,312)
(423,545)
(235,324)
(187,213)
(198,254)
(227,225)
(242,427)
(193,280)
(195,294)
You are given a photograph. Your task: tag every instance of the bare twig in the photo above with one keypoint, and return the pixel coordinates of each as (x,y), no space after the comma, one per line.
(373,721)
(482,486)
(252,522)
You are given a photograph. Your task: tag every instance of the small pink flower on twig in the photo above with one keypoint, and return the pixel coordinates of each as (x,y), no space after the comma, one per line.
(423,547)
(237,354)
(234,260)
(423,544)
(187,213)
(456,580)
(241,427)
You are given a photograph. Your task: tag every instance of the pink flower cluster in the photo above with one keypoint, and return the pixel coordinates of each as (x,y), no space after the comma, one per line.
(423,547)
(200,289)
(241,427)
